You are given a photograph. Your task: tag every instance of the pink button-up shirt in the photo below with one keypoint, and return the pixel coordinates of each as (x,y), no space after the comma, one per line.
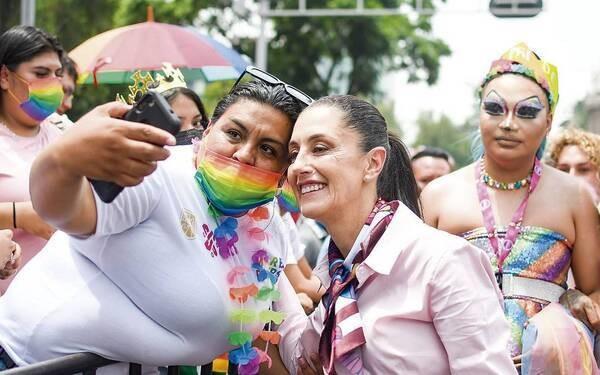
(429,304)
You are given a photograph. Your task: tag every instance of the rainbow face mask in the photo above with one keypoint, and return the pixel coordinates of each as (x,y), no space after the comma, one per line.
(232,188)
(287,199)
(45,96)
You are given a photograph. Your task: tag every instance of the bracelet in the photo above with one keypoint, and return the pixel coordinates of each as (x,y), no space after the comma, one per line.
(14,216)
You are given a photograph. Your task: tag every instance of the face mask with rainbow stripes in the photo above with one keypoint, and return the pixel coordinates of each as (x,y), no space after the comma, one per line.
(45,96)
(232,188)
(287,199)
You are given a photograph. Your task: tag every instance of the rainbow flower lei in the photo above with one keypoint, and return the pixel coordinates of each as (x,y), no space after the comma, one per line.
(256,283)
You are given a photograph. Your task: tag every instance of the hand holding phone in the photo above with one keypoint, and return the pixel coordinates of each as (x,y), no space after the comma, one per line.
(152,109)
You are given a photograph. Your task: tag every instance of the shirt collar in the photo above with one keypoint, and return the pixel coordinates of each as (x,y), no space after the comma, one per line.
(402,232)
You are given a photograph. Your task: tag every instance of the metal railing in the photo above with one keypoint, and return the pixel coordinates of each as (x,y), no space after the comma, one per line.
(84,363)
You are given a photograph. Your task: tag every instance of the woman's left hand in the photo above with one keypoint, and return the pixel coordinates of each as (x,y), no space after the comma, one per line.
(582,307)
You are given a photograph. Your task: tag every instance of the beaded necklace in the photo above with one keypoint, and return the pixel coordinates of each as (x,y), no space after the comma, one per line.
(489,181)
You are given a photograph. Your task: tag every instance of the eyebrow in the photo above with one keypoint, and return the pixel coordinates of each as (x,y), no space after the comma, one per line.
(530,98)
(265,139)
(310,139)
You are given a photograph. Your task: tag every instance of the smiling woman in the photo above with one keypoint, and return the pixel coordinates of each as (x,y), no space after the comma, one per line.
(390,275)
(533,221)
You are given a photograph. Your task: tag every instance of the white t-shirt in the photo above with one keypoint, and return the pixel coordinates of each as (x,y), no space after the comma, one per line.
(145,288)
(296,247)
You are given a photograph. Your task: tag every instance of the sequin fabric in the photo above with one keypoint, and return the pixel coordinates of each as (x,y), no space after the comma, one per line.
(538,253)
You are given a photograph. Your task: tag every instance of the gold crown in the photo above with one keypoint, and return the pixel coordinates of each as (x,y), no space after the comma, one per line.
(143,82)
(173,78)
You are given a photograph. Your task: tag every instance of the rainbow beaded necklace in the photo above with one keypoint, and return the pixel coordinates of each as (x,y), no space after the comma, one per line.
(489,181)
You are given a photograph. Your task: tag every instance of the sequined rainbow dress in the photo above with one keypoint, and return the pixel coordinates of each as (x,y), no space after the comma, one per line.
(554,341)
(538,253)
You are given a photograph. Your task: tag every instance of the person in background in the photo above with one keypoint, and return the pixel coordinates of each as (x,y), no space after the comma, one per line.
(312,236)
(69,81)
(30,90)
(577,153)
(430,163)
(188,106)
(534,222)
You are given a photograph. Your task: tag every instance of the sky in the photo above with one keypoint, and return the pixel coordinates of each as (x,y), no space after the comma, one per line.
(565,33)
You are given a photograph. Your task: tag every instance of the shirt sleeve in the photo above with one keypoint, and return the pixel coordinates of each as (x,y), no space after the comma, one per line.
(299,333)
(131,207)
(466,305)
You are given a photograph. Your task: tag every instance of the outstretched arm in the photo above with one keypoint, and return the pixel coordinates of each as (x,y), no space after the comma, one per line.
(100,146)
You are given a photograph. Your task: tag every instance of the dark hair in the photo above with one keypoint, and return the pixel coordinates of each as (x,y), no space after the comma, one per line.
(434,152)
(69,67)
(22,43)
(264,93)
(172,94)
(396,181)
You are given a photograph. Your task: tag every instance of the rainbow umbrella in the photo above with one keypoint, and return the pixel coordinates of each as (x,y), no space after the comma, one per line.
(116,54)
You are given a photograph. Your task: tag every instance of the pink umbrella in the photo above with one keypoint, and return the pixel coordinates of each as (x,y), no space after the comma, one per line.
(115,54)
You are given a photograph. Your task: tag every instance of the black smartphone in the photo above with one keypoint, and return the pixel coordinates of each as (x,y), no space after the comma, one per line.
(152,109)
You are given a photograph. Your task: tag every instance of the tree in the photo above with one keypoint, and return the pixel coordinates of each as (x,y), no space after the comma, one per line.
(441,132)
(9,14)
(320,55)
(324,55)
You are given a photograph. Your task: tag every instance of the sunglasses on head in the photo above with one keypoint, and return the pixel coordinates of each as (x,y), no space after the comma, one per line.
(272,80)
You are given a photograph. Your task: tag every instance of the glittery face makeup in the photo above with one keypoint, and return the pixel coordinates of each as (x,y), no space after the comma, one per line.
(529,108)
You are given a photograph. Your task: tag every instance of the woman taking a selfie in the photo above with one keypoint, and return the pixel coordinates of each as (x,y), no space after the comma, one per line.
(183,265)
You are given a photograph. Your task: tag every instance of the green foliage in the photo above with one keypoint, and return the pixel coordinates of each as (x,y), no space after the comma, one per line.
(324,55)
(213,93)
(180,12)
(10,11)
(441,132)
(320,55)
(73,21)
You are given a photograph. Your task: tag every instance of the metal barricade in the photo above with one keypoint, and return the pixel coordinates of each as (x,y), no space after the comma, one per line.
(79,363)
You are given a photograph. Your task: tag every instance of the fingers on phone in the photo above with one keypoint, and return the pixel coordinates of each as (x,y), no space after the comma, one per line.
(115,109)
(150,134)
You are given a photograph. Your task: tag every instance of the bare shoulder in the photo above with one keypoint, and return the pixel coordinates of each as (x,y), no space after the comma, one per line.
(561,184)
(448,184)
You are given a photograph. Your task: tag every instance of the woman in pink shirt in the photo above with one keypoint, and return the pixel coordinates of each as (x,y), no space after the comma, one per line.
(402,297)
(30,90)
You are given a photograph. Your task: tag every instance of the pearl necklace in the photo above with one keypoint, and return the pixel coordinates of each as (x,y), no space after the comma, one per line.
(489,181)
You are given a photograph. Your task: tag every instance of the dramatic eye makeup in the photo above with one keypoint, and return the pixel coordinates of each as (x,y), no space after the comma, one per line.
(528,108)
(494,105)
